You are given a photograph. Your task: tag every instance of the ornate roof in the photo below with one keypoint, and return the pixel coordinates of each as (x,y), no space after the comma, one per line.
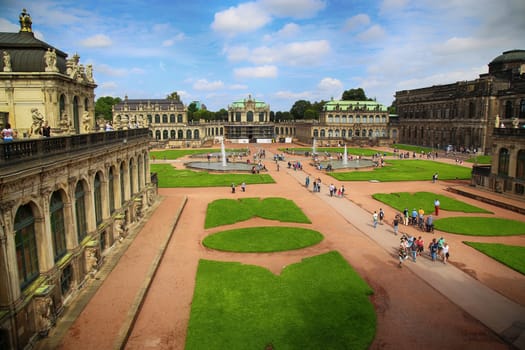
(510,56)
(27,53)
(343,105)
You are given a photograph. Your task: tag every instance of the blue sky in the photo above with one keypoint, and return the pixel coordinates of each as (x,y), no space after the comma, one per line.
(279,51)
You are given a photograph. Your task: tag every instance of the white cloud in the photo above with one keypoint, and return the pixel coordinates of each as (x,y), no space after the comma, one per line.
(98,40)
(108,85)
(389,6)
(8,27)
(289,30)
(330,84)
(238,87)
(245,17)
(357,22)
(203,84)
(267,71)
(293,8)
(375,32)
(171,41)
(295,54)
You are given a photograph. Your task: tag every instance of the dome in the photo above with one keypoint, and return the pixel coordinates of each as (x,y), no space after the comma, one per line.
(510,56)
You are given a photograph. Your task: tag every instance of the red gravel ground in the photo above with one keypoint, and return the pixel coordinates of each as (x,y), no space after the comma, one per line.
(411,314)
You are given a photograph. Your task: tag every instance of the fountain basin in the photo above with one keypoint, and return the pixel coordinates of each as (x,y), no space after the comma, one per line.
(349,164)
(218,166)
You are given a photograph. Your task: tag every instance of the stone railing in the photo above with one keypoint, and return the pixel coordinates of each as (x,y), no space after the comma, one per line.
(31,150)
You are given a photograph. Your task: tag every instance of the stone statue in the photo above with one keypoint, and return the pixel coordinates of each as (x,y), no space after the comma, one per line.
(44,314)
(64,123)
(91,260)
(120,229)
(7,62)
(25,21)
(496,123)
(51,60)
(515,123)
(38,120)
(86,119)
(101,123)
(89,73)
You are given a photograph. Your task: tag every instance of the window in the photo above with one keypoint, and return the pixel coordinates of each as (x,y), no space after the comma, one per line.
(26,249)
(157,118)
(261,117)
(80,210)
(503,162)
(237,116)
(172,134)
(522,108)
(65,279)
(58,230)
(172,118)
(157,134)
(164,118)
(149,119)
(131,182)
(180,134)
(316,133)
(249,116)
(179,118)
(196,134)
(188,134)
(520,165)
(165,134)
(122,191)
(98,199)
(323,133)
(111,189)
(508,110)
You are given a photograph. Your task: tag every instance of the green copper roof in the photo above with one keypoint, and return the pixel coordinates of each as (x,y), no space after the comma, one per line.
(351,105)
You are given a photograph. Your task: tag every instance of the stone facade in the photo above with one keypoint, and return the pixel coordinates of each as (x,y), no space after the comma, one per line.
(249,121)
(348,122)
(67,200)
(464,114)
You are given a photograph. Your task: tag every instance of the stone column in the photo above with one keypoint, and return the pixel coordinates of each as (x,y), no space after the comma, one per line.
(9,286)
(43,233)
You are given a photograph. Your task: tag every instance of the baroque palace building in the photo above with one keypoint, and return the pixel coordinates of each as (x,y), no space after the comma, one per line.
(66,201)
(348,122)
(464,114)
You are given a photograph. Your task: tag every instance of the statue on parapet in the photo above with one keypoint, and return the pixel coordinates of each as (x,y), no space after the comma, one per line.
(51,60)
(86,121)
(25,21)
(7,62)
(38,120)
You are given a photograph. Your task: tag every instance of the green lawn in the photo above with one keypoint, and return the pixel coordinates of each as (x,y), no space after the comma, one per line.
(412,148)
(263,239)
(425,200)
(510,255)
(170,177)
(179,153)
(407,170)
(480,226)
(229,211)
(336,150)
(480,160)
(319,303)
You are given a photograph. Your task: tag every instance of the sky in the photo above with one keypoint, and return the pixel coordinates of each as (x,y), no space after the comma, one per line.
(277,51)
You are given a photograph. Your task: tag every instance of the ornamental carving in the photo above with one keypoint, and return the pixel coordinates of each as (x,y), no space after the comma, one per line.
(44,313)
(91,260)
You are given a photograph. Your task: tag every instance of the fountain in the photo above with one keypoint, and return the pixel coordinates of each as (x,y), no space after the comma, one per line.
(223,153)
(345,157)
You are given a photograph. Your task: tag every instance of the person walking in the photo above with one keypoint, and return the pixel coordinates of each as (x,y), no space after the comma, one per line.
(405,216)
(433,249)
(413,249)
(243,187)
(396,224)
(233,187)
(381,215)
(436,207)
(307,181)
(374,218)
(402,254)
(444,252)
(7,133)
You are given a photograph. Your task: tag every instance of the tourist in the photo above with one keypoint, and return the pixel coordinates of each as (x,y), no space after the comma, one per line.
(405,216)
(374,218)
(433,249)
(46,129)
(420,245)
(414,216)
(7,133)
(233,187)
(402,254)
(444,252)
(381,215)
(436,206)
(396,224)
(243,187)
(429,224)
(413,249)
(307,181)
(342,190)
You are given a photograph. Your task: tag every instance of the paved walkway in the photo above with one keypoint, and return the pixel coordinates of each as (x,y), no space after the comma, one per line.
(497,312)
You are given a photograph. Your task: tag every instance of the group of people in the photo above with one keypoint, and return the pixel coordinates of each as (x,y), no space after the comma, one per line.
(412,247)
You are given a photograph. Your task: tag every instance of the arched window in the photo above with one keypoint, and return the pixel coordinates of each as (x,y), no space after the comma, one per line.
(164,118)
(261,117)
(179,118)
(503,162)
(150,119)
(139,173)
(172,118)
(350,119)
(364,119)
(111,190)
(522,108)
(330,133)
(157,134)
(316,133)
(157,118)
(357,133)
(122,187)
(358,119)
(75,114)
(237,116)
(188,134)
(80,210)
(180,134)
(173,134)
(350,133)
(343,133)
(520,165)
(62,105)
(336,133)
(58,229)
(196,134)
(378,119)
(26,248)
(249,116)
(323,133)
(98,199)
(508,110)
(165,134)
(131,183)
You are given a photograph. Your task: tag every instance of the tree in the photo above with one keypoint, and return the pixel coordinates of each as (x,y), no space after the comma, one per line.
(173,96)
(192,108)
(354,95)
(104,106)
(272,116)
(299,108)
(221,114)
